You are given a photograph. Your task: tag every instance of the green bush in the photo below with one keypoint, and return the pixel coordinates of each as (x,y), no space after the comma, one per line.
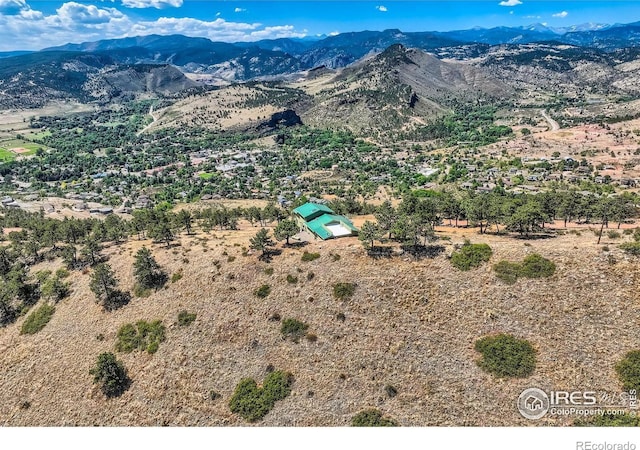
(613,234)
(37,320)
(62,273)
(505,356)
(632,248)
(343,291)
(176,276)
(293,328)
(507,271)
(252,402)
(291,279)
(629,370)
(111,374)
(470,256)
(372,418)
(609,420)
(268,270)
(142,336)
(306,256)
(263,291)
(535,266)
(186,318)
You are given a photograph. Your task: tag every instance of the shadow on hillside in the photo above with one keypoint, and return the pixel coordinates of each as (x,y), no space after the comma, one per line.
(535,237)
(423,251)
(268,256)
(300,244)
(380,252)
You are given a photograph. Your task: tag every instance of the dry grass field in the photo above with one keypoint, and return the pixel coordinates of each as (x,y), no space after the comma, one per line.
(411,324)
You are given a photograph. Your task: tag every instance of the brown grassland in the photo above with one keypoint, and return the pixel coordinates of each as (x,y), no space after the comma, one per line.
(411,324)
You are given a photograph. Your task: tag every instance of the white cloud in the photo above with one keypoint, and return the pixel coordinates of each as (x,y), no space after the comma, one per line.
(511,12)
(334,33)
(533,17)
(382,8)
(510,3)
(75,22)
(239,10)
(157,4)
(77,13)
(561,15)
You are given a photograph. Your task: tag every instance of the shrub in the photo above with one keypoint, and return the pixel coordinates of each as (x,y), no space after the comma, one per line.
(310,276)
(111,374)
(507,271)
(186,318)
(505,356)
(613,234)
(390,390)
(335,257)
(343,291)
(470,256)
(142,336)
(176,276)
(306,256)
(291,279)
(632,248)
(293,328)
(609,420)
(37,320)
(252,402)
(268,270)
(213,395)
(62,273)
(372,418)
(629,370)
(535,266)
(263,291)
(141,292)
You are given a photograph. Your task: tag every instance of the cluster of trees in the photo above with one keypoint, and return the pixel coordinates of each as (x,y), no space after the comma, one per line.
(417,215)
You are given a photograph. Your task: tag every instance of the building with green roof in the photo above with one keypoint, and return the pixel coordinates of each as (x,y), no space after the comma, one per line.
(323,222)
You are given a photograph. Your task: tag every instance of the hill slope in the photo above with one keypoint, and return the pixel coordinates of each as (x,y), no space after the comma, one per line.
(410,324)
(35,79)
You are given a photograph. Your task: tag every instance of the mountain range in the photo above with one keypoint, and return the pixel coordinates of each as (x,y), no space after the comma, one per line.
(106,69)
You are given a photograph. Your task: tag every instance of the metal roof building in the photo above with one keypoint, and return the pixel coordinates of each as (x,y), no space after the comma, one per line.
(323,222)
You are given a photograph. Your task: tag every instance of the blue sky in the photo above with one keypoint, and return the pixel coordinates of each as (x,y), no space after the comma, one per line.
(34,24)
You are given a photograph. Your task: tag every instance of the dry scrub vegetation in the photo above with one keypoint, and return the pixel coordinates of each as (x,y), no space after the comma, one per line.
(409,328)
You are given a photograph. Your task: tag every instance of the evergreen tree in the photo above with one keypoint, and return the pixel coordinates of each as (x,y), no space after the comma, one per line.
(369,232)
(285,230)
(146,270)
(261,241)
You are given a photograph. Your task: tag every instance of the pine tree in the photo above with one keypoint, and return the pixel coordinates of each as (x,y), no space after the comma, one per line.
(103,281)
(369,232)
(147,271)
(261,241)
(285,230)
